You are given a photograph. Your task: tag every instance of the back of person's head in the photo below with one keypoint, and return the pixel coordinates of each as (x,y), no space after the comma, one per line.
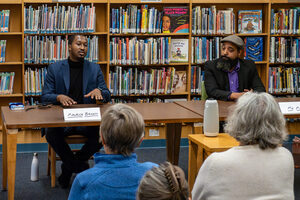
(122,129)
(257,119)
(166,182)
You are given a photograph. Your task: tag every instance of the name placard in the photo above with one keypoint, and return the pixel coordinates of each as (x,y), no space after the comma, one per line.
(82,114)
(290,108)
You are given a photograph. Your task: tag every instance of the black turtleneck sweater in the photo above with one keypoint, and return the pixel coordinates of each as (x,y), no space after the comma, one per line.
(76,74)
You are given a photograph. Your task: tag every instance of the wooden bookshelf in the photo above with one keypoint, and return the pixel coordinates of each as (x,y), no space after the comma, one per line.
(14,50)
(15,37)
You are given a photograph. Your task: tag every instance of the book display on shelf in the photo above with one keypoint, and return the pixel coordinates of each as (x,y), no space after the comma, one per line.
(135,19)
(133,81)
(205,49)
(285,21)
(4,20)
(2,50)
(284,49)
(179,82)
(284,80)
(197,76)
(254,48)
(250,21)
(6,82)
(34,81)
(179,50)
(210,21)
(175,20)
(59,19)
(50,49)
(134,51)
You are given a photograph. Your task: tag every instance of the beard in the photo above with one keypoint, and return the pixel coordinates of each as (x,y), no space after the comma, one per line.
(226,64)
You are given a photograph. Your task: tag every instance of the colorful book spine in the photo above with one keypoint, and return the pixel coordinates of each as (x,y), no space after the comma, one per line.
(46,19)
(49,49)
(284,49)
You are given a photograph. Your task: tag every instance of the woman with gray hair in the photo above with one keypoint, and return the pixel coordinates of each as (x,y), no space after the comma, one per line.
(260,168)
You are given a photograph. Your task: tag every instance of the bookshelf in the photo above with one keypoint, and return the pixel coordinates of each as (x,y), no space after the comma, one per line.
(16,36)
(14,50)
(282,67)
(149,94)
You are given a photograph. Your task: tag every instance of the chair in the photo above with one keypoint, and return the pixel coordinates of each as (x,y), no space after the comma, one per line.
(203,91)
(51,165)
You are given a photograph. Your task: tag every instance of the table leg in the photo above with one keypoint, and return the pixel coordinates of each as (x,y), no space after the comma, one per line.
(200,157)
(192,170)
(4,158)
(11,136)
(173,142)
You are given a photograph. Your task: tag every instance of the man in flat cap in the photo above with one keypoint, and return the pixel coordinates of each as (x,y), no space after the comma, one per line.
(229,77)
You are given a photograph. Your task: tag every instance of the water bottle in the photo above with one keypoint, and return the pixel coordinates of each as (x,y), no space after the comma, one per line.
(211,118)
(34,168)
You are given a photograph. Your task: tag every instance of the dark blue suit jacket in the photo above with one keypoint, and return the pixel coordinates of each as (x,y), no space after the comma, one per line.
(58,82)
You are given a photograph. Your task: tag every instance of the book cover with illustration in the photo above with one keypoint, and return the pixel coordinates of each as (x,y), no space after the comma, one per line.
(179,82)
(179,50)
(250,21)
(175,20)
(254,48)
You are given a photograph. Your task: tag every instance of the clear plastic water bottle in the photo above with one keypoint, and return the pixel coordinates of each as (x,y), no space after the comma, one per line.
(34,168)
(211,118)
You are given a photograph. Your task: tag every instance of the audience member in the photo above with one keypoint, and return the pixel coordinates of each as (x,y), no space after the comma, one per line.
(260,168)
(166,182)
(116,174)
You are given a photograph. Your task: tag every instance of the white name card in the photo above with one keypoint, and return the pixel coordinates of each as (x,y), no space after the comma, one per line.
(290,108)
(82,114)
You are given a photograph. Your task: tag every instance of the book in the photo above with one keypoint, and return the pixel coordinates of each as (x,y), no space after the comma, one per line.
(254,48)
(175,20)
(179,82)
(250,21)
(179,50)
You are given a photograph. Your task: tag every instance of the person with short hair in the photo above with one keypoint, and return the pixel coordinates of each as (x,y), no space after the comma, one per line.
(229,77)
(116,174)
(260,168)
(68,82)
(166,182)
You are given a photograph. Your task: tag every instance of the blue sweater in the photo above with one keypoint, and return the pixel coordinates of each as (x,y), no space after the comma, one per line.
(114,176)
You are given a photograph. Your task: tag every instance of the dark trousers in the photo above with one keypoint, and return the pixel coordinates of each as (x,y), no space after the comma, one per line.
(56,138)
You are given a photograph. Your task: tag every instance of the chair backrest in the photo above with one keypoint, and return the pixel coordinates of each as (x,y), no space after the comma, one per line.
(203,91)
(76,139)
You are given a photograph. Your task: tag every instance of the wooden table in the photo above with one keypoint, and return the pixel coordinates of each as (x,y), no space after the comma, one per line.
(201,146)
(225,107)
(169,113)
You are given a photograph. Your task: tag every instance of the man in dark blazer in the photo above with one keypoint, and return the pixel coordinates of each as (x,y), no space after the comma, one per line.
(229,77)
(69,82)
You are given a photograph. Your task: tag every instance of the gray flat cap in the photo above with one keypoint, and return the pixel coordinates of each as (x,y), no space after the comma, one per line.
(235,40)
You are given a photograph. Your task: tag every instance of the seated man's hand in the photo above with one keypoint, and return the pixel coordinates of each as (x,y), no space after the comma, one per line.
(94,94)
(65,100)
(236,95)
